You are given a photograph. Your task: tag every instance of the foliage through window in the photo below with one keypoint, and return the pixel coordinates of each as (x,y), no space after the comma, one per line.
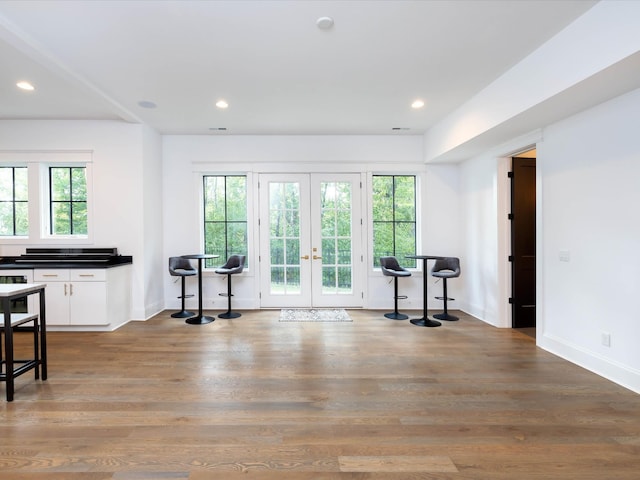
(14,205)
(394,218)
(225,217)
(68,200)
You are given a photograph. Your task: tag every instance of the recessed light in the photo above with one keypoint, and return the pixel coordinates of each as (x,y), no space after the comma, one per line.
(147,104)
(324,23)
(25,86)
(222,104)
(417,104)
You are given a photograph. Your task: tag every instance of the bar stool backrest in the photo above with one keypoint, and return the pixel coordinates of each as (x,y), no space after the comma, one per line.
(446,267)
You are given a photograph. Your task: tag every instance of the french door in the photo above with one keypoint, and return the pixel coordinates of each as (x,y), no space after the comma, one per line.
(310,240)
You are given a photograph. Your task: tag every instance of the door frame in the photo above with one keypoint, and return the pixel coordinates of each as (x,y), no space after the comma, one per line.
(310,295)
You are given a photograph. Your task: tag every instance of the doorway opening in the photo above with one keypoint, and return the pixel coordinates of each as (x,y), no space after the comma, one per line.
(523,241)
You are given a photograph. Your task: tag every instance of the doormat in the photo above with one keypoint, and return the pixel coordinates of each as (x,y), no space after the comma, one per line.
(314,315)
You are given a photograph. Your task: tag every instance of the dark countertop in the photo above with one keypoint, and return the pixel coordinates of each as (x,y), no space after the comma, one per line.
(10,263)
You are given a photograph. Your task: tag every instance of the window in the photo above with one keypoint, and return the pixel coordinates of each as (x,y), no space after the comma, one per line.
(14,205)
(394,218)
(225,216)
(68,200)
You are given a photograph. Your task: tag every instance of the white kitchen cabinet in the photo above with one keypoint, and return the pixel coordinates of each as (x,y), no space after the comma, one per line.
(91,297)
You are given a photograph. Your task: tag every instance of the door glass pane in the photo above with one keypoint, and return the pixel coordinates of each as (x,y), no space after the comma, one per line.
(336,238)
(284,241)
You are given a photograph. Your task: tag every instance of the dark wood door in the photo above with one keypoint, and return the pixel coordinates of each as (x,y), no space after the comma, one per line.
(523,242)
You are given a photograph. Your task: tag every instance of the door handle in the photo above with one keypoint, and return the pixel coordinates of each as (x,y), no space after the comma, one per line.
(306,257)
(316,257)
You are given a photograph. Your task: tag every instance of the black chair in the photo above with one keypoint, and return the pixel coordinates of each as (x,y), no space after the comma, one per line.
(235,264)
(391,268)
(181,267)
(447,267)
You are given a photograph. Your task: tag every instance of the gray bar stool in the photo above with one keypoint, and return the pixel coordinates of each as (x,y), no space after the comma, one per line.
(391,268)
(235,264)
(181,267)
(447,267)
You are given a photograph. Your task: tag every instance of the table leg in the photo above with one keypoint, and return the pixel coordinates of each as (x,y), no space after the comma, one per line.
(199,319)
(425,321)
(8,347)
(43,337)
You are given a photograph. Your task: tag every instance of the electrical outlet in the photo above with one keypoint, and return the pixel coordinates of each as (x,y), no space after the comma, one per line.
(605,339)
(564,255)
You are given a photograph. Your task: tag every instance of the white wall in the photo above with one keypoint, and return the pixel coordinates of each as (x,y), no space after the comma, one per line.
(186,156)
(589,166)
(118,202)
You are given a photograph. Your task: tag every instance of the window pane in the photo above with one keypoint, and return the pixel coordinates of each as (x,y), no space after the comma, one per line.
(61,218)
(328,280)
(328,223)
(277,251)
(405,240)
(405,209)
(6,184)
(214,240)
(21,184)
(213,199)
(236,199)
(293,251)
(383,198)
(60,184)
(344,280)
(328,251)
(79,214)
(78,184)
(6,218)
(344,251)
(237,238)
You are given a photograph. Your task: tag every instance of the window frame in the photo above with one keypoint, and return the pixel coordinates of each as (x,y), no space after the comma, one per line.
(13,201)
(213,263)
(417,177)
(71,201)
(38,163)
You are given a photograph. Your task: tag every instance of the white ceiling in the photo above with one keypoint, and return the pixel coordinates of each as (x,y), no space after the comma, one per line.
(279,72)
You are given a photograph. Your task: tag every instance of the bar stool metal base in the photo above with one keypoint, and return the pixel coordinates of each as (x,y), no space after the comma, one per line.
(396,316)
(199,320)
(182,314)
(229,315)
(425,322)
(446,316)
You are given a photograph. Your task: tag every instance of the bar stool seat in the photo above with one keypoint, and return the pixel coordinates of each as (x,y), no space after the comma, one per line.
(444,268)
(391,268)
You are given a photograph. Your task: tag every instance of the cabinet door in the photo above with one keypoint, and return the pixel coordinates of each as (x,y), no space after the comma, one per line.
(88,303)
(57,303)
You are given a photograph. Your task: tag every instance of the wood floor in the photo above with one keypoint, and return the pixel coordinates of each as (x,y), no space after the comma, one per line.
(254,398)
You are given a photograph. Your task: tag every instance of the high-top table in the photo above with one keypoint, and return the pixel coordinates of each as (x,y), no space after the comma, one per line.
(15,291)
(425,321)
(199,319)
